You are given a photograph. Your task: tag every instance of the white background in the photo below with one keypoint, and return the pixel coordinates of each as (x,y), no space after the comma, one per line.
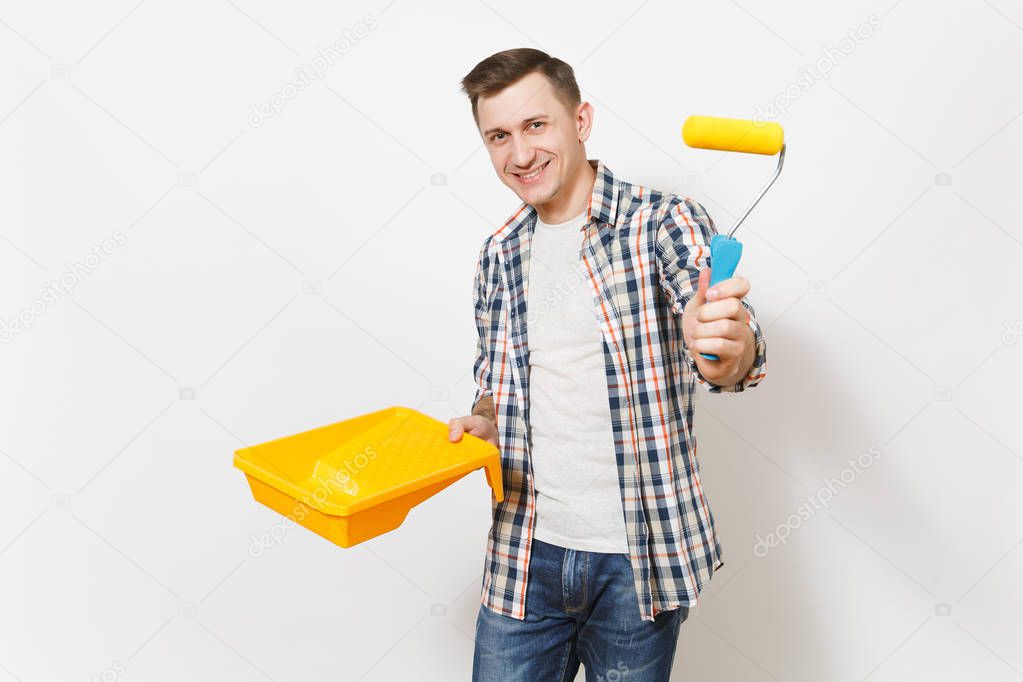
(885,265)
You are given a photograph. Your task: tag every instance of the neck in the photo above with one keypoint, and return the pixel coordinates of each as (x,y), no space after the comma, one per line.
(572,199)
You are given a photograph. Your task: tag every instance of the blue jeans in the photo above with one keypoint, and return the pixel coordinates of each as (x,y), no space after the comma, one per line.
(580,607)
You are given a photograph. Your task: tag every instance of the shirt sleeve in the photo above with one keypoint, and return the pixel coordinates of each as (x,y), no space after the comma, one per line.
(683,249)
(481,365)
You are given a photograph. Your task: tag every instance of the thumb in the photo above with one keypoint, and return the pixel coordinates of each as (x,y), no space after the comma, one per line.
(701,292)
(455,429)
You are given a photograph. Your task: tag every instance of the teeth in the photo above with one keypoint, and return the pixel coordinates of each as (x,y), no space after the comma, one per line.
(533,174)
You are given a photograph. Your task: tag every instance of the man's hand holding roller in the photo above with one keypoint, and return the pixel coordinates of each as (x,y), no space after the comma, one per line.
(715,321)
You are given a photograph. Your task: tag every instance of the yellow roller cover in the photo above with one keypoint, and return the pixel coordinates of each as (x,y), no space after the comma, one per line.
(733,135)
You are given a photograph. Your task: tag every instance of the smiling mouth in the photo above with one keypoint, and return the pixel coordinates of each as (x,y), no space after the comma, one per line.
(533,176)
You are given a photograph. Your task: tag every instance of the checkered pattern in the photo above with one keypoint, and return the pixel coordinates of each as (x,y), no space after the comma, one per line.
(642,251)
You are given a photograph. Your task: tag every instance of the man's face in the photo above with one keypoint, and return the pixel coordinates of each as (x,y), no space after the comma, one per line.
(534,142)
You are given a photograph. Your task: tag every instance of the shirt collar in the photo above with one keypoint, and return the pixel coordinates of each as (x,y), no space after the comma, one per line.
(603,206)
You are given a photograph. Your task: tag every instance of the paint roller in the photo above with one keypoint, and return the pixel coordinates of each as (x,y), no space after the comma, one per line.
(733,135)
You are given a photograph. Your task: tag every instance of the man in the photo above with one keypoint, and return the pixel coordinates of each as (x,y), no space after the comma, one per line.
(592,309)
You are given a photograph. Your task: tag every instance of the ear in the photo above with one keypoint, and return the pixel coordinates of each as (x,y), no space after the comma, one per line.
(584,120)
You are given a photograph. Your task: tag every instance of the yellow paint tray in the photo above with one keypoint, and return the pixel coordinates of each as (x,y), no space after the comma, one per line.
(358,478)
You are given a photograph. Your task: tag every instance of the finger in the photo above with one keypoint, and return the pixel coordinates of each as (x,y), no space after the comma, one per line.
(455,429)
(735,287)
(701,289)
(726,309)
(727,329)
(477,426)
(723,348)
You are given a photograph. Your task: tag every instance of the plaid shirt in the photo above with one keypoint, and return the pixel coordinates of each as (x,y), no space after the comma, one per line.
(641,252)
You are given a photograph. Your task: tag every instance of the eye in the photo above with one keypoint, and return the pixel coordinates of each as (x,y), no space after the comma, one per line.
(538,123)
(495,136)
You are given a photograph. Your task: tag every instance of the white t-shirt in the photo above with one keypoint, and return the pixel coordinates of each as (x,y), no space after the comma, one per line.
(578,500)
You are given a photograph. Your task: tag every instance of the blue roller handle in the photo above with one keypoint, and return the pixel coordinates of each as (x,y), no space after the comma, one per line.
(724,258)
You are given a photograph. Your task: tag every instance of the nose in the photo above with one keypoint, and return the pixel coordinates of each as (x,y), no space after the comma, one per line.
(522,154)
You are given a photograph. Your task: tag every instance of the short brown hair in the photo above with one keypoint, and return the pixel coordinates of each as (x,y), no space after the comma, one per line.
(499,70)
